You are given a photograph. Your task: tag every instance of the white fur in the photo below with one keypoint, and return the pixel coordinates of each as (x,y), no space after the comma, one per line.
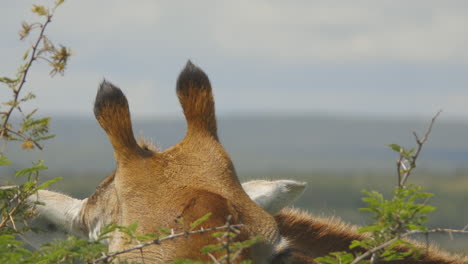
(60,210)
(58,215)
(273,196)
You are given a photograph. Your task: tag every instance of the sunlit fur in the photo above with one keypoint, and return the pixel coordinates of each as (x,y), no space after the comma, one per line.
(312,236)
(156,189)
(59,215)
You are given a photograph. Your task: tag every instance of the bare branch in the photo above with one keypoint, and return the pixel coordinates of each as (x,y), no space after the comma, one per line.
(412,162)
(24,138)
(227,245)
(215,261)
(17,91)
(159,240)
(374,250)
(6,218)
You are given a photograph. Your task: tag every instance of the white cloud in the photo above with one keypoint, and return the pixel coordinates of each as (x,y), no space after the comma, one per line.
(288,30)
(345,31)
(141,46)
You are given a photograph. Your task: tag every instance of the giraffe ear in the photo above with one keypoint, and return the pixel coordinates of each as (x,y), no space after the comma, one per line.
(273,196)
(57,211)
(196,97)
(112,112)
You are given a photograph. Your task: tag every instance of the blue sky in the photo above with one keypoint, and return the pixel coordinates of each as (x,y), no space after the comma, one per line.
(380,58)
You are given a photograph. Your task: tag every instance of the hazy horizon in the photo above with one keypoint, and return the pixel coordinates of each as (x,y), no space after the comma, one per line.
(370,116)
(268,143)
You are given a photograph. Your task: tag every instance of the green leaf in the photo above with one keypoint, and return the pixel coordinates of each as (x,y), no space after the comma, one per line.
(395,147)
(36,168)
(4,161)
(355,243)
(341,257)
(180,220)
(220,234)
(426,209)
(199,221)
(133,227)
(11,103)
(48,183)
(212,248)
(7,80)
(28,97)
(147,237)
(59,2)
(165,230)
(247,243)
(106,230)
(39,10)
(26,54)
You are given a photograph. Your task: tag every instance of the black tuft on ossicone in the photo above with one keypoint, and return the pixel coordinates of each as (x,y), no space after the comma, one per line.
(196,99)
(192,77)
(108,95)
(112,113)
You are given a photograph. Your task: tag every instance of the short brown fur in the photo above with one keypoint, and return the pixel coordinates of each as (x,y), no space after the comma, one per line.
(311,236)
(187,181)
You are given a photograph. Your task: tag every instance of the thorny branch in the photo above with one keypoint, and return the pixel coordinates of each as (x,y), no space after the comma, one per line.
(406,165)
(226,241)
(57,59)
(16,92)
(21,199)
(413,232)
(22,137)
(170,237)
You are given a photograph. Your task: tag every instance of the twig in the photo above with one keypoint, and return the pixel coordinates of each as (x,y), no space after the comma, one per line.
(12,222)
(17,91)
(21,199)
(215,261)
(372,251)
(23,137)
(12,212)
(227,245)
(159,240)
(412,162)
